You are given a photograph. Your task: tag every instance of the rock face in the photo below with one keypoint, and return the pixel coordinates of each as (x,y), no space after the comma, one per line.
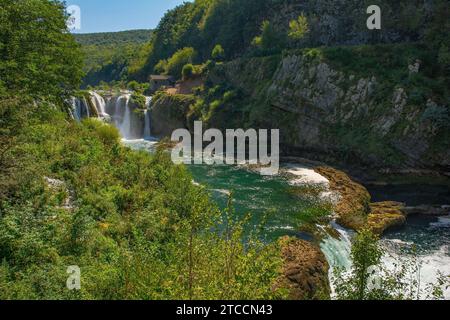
(168,113)
(305,270)
(326,109)
(428,210)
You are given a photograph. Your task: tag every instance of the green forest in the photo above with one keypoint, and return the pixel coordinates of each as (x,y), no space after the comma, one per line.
(112,56)
(268,27)
(72,194)
(139,230)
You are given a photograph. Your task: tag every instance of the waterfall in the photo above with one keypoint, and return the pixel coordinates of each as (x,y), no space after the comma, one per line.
(80,108)
(86,107)
(75,111)
(118,110)
(337,251)
(147,128)
(99,103)
(125,126)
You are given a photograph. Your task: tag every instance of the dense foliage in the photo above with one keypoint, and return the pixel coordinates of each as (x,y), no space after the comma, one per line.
(261,27)
(234,24)
(38,56)
(114,38)
(109,63)
(136,225)
(139,230)
(112,56)
(72,195)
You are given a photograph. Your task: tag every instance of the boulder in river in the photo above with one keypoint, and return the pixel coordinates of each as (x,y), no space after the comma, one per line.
(385,215)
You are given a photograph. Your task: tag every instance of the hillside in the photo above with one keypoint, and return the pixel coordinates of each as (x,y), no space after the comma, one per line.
(368,98)
(109,56)
(114,38)
(234,25)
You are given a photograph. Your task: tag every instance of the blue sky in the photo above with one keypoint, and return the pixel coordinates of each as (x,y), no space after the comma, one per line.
(119,15)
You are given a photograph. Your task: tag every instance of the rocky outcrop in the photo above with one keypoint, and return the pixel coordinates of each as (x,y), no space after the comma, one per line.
(354,209)
(386,215)
(330,111)
(305,270)
(61,193)
(353,206)
(168,113)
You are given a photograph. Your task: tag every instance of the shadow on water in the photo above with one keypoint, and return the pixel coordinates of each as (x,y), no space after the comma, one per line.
(412,194)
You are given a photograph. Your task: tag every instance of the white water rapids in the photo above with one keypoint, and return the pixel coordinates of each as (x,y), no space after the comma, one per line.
(435,257)
(433,261)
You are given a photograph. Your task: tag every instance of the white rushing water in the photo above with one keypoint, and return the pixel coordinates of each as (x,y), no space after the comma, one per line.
(147,128)
(118,110)
(100,104)
(125,125)
(432,261)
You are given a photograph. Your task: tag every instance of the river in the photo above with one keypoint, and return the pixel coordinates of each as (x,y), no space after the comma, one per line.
(269,200)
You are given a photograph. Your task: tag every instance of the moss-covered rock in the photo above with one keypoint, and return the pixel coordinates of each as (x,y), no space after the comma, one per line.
(305,270)
(385,215)
(354,209)
(353,206)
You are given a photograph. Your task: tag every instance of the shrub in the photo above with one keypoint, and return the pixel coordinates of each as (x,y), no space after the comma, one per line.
(108,134)
(218,53)
(299,28)
(138,100)
(180,58)
(188,71)
(161,67)
(369,279)
(134,86)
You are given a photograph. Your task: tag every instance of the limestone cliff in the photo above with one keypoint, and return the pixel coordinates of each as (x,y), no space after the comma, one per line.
(168,113)
(377,105)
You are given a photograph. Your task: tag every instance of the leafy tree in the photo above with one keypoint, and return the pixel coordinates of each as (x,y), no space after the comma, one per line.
(188,71)
(436,34)
(38,55)
(369,279)
(161,67)
(218,53)
(180,58)
(134,86)
(270,39)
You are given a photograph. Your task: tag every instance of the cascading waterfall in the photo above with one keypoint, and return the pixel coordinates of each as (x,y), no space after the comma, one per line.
(147,128)
(76,109)
(125,126)
(118,110)
(337,250)
(100,104)
(80,108)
